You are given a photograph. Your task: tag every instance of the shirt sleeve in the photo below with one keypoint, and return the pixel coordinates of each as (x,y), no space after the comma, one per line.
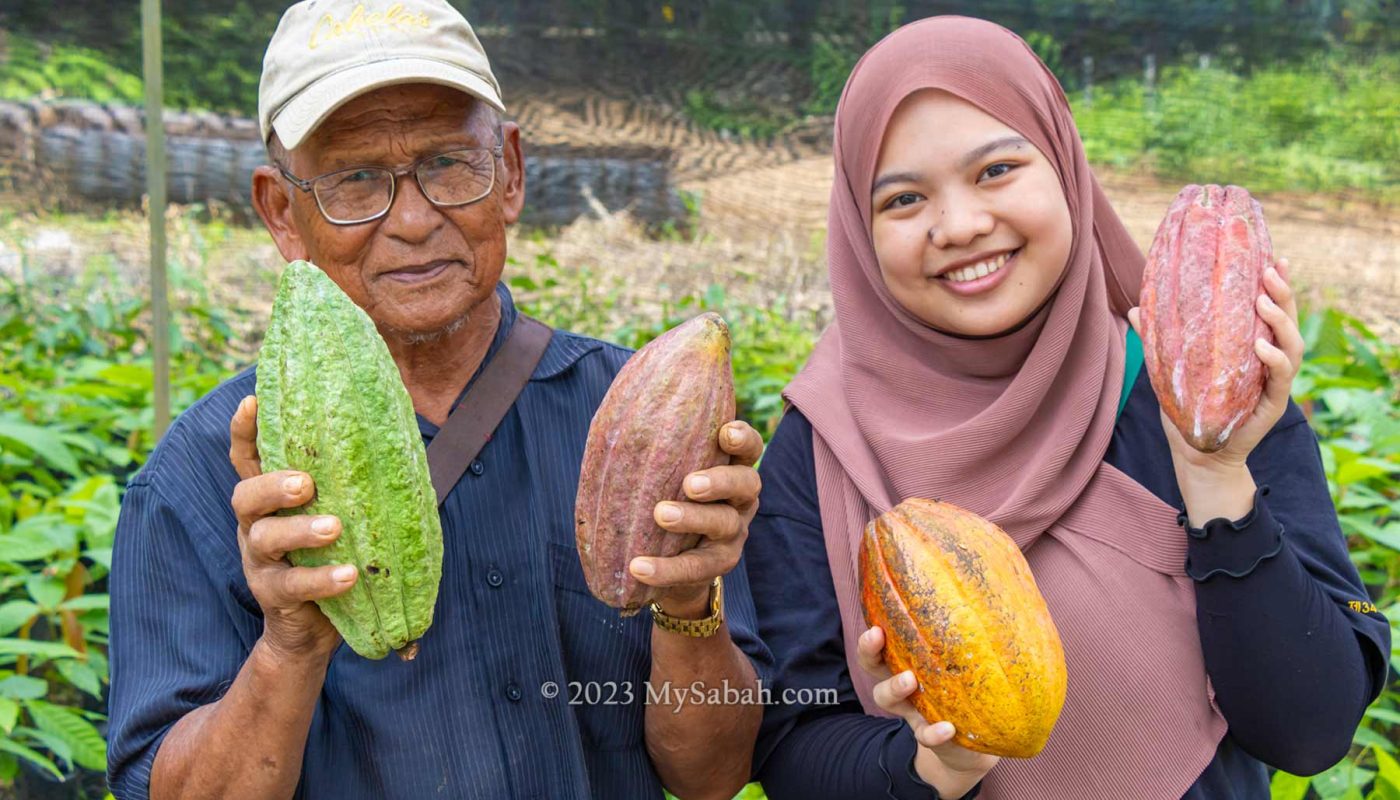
(1294,650)
(172,647)
(815,740)
(741,619)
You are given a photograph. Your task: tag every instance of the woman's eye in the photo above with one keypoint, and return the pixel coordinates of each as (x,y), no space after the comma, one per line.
(901,200)
(997,170)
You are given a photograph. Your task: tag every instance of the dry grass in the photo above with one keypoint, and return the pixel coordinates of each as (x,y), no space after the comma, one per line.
(759,236)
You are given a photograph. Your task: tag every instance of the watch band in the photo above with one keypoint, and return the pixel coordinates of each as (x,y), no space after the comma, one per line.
(698,628)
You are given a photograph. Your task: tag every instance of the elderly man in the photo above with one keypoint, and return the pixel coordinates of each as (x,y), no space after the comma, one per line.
(394,173)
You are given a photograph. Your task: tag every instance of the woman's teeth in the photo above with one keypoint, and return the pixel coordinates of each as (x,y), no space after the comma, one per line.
(979,270)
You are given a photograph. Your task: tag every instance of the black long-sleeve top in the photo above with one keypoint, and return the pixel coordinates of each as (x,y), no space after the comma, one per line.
(1294,664)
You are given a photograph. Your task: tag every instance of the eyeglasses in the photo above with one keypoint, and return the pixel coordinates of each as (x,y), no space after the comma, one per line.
(354,195)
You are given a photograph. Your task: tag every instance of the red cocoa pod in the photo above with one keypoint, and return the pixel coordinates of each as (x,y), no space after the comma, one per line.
(1197,314)
(959,606)
(658,423)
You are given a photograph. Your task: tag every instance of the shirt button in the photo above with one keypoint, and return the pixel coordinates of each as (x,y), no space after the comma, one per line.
(477,467)
(494,578)
(513,693)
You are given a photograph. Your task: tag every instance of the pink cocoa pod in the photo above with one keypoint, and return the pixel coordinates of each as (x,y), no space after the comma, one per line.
(658,422)
(1204,272)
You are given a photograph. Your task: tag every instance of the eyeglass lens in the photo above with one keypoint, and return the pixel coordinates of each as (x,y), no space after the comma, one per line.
(449,179)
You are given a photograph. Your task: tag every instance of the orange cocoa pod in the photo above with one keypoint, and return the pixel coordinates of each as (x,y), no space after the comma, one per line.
(658,422)
(958,605)
(1197,314)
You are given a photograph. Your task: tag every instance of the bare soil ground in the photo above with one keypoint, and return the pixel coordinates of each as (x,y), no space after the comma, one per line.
(763,212)
(1347,256)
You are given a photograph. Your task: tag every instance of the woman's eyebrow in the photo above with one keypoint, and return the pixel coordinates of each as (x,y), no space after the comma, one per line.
(964,163)
(991,147)
(895,177)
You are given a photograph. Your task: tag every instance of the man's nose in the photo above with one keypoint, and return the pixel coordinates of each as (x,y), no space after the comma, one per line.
(412,216)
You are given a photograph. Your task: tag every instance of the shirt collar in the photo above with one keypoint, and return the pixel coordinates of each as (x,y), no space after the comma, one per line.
(508,316)
(563,351)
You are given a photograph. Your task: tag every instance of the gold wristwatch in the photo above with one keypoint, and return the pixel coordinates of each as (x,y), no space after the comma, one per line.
(699,628)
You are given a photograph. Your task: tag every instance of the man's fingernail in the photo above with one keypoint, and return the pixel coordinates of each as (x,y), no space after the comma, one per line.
(344,573)
(670,513)
(293,484)
(735,437)
(699,483)
(323,525)
(643,567)
(943,729)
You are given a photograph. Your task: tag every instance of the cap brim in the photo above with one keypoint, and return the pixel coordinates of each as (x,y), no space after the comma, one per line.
(310,108)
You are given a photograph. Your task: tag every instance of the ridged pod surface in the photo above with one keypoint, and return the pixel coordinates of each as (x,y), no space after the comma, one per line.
(1197,314)
(332,404)
(960,608)
(658,423)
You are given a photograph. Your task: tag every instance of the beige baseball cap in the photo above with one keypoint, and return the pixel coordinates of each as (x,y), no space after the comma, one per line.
(326,52)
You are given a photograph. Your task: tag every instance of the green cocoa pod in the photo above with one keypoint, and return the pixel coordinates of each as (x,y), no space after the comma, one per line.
(658,422)
(331,403)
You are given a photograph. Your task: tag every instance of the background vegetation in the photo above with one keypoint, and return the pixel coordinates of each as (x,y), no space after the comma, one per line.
(1300,95)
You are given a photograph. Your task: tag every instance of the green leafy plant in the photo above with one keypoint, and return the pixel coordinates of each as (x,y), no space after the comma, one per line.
(75,419)
(1325,125)
(28,70)
(1348,388)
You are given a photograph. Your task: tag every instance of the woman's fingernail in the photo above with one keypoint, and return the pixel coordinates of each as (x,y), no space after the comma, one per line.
(670,513)
(643,567)
(906,681)
(293,484)
(323,525)
(344,573)
(943,729)
(698,484)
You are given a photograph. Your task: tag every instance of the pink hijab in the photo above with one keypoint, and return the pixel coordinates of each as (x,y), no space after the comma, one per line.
(1014,428)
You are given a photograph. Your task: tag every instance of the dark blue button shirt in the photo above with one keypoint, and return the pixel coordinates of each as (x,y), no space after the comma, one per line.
(475,714)
(1292,665)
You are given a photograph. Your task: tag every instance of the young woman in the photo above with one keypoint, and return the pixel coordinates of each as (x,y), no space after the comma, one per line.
(983,288)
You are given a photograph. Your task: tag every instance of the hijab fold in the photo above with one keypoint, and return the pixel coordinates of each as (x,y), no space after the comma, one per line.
(1014,428)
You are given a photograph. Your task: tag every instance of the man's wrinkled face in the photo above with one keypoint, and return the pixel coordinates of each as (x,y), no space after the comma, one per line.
(420,269)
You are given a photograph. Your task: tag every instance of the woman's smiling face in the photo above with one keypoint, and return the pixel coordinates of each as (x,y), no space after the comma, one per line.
(970,224)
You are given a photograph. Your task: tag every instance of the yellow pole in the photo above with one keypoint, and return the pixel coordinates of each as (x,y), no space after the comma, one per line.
(155,189)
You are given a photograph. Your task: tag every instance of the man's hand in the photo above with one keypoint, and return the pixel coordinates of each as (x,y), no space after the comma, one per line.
(948,767)
(293,627)
(722,503)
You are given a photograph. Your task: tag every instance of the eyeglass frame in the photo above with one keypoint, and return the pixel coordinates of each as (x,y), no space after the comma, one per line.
(309,184)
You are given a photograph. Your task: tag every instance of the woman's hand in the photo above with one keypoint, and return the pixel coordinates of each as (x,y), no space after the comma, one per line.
(950,768)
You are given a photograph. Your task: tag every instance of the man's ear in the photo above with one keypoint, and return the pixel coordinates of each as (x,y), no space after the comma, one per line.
(274,205)
(513,176)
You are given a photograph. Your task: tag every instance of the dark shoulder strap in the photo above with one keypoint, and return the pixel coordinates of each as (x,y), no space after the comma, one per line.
(471,423)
